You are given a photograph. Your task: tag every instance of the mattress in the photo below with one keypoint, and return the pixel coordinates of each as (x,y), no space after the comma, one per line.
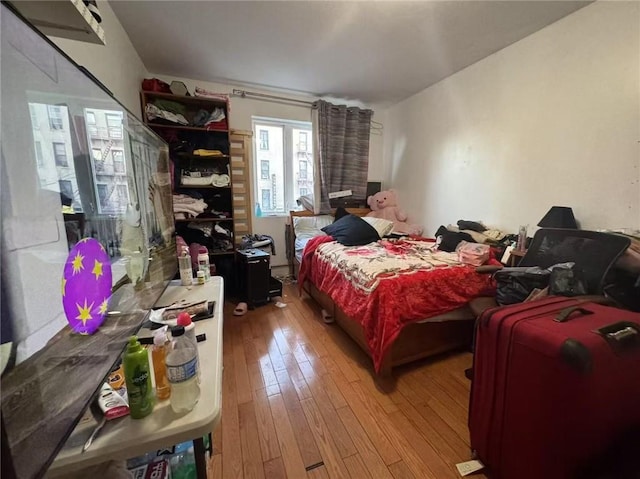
(307,227)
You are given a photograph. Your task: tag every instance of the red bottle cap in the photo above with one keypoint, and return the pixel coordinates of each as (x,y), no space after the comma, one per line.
(184,319)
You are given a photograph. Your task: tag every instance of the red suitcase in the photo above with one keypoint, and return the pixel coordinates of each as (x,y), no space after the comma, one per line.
(547,396)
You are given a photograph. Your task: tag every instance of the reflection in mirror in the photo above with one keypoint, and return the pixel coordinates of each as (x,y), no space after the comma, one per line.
(74,164)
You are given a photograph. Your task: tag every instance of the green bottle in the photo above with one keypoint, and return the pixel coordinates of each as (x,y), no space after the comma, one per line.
(137,375)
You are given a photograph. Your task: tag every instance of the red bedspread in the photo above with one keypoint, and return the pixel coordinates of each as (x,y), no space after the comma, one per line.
(396,283)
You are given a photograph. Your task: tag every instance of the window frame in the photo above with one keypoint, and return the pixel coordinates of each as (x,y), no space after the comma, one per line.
(56,154)
(306,141)
(117,129)
(262,195)
(119,167)
(306,169)
(54,118)
(264,142)
(264,176)
(289,159)
(68,183)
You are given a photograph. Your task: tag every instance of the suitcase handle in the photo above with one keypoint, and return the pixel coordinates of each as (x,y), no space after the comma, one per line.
(621,336)
(563,316)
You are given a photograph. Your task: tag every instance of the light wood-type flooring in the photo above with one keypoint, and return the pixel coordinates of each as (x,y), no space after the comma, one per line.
(299,401)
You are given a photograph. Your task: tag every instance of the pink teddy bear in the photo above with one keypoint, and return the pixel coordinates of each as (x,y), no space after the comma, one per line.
(384,205)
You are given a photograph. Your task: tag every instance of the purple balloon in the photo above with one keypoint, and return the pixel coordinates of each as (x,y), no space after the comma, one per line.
(86,286)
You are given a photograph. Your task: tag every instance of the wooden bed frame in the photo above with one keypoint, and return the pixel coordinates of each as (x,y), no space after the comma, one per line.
(439,334)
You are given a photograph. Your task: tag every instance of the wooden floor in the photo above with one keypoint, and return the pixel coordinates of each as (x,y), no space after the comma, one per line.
(299,400)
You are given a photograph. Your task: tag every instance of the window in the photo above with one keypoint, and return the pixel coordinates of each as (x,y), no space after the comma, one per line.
(55,117)
(39,155)
(102,195)
(118,161)
(35,122)
(302,141)
(264,140)
(92,128)
(288,175)
(96,153)
(60,154)
(266,199)
(114,125)
(264,169)
(66,188)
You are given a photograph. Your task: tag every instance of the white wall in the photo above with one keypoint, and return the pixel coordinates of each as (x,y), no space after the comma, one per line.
(241,112)
(550,120)
(116,64)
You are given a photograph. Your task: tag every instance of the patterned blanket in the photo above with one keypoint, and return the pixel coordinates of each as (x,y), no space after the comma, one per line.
(388,284)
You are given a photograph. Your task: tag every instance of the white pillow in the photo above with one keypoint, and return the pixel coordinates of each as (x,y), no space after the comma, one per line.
(310,226)
(382,226)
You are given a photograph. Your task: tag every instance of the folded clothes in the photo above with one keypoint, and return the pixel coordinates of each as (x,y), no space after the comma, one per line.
(189,205)
(155,113)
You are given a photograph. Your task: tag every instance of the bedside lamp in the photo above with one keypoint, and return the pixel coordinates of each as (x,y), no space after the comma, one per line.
(559,217)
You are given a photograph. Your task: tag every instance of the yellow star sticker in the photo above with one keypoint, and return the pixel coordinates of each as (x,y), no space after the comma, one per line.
(97,269)
(64,284)
(77,263)
(85,312)
(103,306)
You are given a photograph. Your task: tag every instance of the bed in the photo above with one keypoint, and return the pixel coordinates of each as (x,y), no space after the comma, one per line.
(395,318)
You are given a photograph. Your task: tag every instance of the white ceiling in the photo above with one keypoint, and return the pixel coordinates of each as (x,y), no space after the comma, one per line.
(370,51)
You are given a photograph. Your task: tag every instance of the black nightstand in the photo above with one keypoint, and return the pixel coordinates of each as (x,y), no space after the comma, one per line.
(254,274)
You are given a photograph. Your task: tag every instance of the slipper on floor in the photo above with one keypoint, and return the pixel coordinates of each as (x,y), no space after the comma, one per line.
(241,309)
(326,317)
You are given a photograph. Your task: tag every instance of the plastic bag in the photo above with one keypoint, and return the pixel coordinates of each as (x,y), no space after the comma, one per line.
(566,280)
(515,284)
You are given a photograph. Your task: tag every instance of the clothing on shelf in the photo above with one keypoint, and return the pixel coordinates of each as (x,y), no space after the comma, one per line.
(154,113)
(204,152)
(188,205)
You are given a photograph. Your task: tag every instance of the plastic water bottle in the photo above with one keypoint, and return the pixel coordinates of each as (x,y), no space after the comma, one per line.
(182,366)
(184,320)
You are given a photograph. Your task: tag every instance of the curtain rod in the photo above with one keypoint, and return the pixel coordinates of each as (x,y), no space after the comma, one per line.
(244,94)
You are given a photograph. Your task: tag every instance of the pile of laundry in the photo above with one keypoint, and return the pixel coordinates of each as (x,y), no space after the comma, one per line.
(186,206)
(216,237)
(470,231)
(214,120)
(167,111)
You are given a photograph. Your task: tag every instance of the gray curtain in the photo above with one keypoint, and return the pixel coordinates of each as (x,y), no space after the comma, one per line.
(341,135)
